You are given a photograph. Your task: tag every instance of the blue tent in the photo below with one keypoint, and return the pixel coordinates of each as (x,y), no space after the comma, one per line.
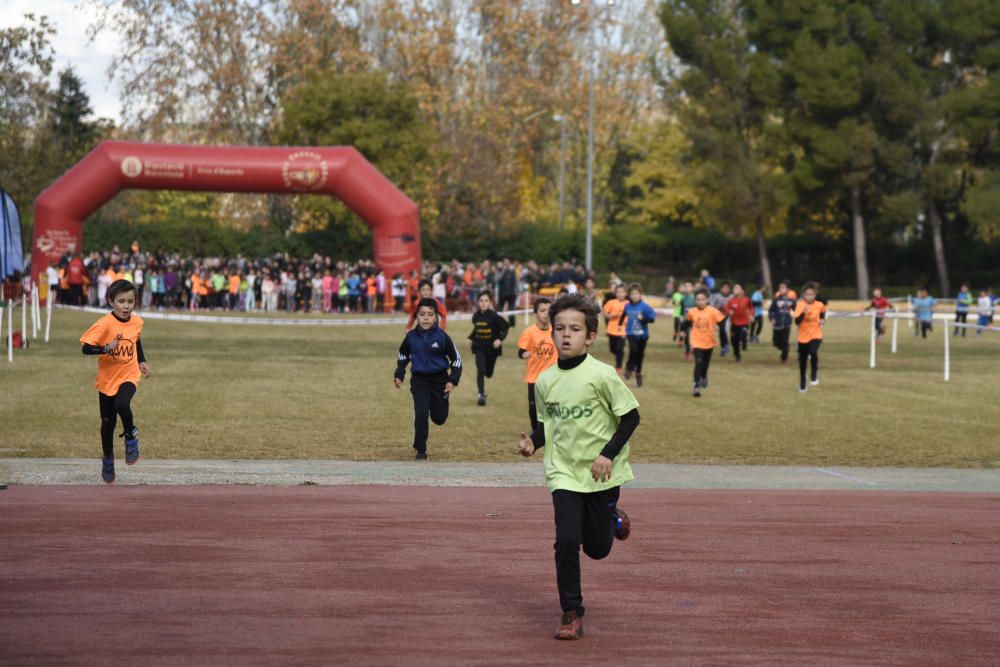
(11,251)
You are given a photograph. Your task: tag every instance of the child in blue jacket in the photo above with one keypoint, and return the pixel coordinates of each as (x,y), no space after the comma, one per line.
(437,368)
(638,315)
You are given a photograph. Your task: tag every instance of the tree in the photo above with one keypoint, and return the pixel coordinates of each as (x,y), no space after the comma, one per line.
(851,95)
(379,117)
(69,109)
(972,107)
(661,181)
(26,156)
(723,97)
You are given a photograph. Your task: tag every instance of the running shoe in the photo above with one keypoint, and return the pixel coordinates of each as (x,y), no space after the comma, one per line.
(628,375)
(696,392)
(482,399)
(570,627)
(638,379)
(131,446)
(108,469)
(704,383)
(623,527)
(814,381)
(421,456)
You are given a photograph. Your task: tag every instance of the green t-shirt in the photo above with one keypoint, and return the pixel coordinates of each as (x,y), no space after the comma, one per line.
(678,300)
(580,409)
(687,302)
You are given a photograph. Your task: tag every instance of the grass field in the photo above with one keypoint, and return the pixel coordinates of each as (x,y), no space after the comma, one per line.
(246,391)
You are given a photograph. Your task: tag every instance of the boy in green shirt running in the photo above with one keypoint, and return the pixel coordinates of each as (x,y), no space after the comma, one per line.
(586,416)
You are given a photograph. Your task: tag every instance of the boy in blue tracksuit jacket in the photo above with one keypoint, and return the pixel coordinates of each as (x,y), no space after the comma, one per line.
(437,368)
(780,314)
(637,317)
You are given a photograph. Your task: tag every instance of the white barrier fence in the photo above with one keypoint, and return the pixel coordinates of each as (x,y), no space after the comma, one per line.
(32,301)
(947,318)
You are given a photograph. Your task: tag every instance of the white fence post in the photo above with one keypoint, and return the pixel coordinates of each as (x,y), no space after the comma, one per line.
(48,315)
(24,320)
(10,330)
(895,329)
(947,352)
(874,333)
(527,306)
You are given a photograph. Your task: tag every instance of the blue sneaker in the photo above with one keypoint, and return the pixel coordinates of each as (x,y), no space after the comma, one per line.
(131,446)
(108,469)
(623,527)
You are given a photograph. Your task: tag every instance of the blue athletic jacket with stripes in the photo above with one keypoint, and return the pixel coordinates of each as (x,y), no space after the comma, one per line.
(432,353)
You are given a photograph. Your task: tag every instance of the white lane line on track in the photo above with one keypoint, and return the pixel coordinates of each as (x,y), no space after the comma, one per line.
(847,477)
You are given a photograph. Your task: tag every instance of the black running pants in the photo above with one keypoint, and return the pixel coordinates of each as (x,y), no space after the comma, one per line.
(112,407)
(582,520)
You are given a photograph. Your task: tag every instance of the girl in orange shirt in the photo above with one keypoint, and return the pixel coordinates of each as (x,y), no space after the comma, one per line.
(614,320)
(810,315)
(115,337)
(704,327)
(536,346)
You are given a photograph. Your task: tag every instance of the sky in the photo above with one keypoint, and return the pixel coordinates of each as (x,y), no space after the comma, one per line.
(90,60)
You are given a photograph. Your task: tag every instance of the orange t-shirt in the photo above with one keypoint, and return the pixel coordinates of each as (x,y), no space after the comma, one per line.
(234,284)
(542,348)
(810,327)
(121,365)
(199,286)
(613,311)
(704,325)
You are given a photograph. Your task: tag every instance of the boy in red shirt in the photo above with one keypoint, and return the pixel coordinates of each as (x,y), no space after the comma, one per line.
(880,304)
(740,313)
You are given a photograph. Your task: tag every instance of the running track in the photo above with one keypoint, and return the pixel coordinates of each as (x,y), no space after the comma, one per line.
(236,575)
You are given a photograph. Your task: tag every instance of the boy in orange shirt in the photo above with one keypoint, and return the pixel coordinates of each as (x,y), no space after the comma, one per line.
(614,320)
(810,315)
(426,291)
(535,344)
(705,322)
(115,337)
(234,290)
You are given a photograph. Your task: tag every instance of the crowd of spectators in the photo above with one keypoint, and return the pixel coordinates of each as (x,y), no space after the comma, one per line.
(289,284)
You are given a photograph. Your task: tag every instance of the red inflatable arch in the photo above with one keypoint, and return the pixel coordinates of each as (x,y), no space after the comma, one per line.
(117,165)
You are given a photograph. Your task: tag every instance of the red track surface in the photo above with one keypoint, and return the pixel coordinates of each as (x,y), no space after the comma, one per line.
(438,576)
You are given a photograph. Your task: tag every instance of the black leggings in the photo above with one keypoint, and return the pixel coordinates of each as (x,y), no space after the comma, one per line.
(723,334)
(636,353)
(757,326)
(617,346)
(582,519)
(780,339)
(429,399)
(686,329)
(532,410)
(960,318)
(809,351)
(738,333)
(486,361)
(112,407)
(702,358)
(508,302)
